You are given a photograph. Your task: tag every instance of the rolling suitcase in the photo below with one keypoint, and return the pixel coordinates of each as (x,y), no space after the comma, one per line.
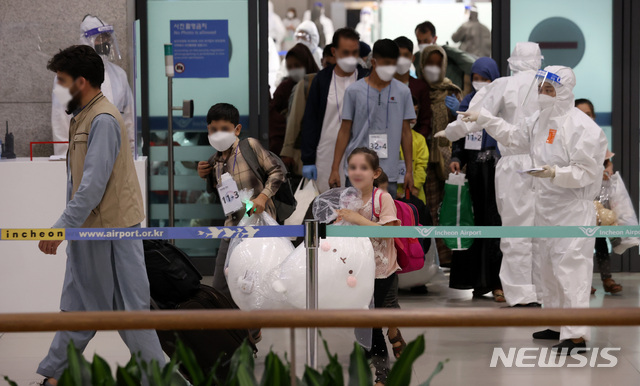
(207,345)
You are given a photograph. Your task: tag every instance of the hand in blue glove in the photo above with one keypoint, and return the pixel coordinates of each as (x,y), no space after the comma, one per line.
(452,104)
(310,172)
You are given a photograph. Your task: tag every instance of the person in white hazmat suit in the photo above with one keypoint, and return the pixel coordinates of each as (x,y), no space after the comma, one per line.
(567,150)
(115,87)
(505,98)
(307,34)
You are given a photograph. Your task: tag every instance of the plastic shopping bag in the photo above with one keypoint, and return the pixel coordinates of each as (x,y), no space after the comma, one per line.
(621,204)
(457,209)
(249,263)
(305,194)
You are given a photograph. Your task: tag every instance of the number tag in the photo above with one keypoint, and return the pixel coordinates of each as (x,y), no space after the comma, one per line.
(229,196)
(402,170)
(378,143)
(473,141)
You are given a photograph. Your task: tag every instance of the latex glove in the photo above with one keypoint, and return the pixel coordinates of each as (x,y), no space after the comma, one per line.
(440,134)
(452,103)
(469,116)
(310,172)
(548,172)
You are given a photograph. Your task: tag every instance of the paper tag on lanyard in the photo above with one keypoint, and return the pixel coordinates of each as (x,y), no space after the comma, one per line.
(473,141)
(378,143)
(229,196)
(402,171)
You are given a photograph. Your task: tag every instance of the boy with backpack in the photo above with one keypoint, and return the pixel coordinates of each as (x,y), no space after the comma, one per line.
(232,169)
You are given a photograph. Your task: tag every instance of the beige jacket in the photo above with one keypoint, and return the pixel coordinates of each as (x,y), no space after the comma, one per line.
(121,205)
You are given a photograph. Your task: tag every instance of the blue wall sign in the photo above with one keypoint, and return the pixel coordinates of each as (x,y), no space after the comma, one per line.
(200,48)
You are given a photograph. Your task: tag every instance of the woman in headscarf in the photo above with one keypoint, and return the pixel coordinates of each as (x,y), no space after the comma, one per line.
(478,268)
(299,62)
(433,61)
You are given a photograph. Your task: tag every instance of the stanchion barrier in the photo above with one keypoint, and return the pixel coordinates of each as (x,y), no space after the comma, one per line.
(312,318)
(331,230)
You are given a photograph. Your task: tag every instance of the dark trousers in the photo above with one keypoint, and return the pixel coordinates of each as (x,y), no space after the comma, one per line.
(385,295)
(602,258)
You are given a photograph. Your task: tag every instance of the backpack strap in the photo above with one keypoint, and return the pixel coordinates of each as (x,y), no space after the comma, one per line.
(250,156)
(375,192)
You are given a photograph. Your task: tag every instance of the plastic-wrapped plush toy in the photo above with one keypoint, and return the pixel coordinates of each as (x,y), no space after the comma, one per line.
(346,274)
(346,265)
(249,261)
(605,216)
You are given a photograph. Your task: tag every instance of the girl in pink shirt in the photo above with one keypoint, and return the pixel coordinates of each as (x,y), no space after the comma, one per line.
(379,209)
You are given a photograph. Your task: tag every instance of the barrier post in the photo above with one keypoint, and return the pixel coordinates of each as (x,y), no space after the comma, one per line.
(311,241)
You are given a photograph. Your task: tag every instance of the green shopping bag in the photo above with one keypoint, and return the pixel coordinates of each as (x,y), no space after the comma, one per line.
(456,209)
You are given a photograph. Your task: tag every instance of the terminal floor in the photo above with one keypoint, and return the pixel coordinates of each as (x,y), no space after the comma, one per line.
(468,349)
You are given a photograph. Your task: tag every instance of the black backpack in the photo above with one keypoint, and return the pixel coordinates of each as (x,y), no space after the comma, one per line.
(172,276)
(283,200)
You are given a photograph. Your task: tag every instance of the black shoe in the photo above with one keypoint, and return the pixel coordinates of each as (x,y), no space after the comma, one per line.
(547,334)
(531,305)
(568,347)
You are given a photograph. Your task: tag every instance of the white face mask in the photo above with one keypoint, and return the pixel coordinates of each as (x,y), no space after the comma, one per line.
(296,74)
(222,140)
(347,64)
(290,15)
(404,65)
(479,85)
(423,46)
(431,73)
(62,94)
(386,73)
(545,101)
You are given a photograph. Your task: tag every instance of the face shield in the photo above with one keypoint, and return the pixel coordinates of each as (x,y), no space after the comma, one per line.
(103,40)
(544,88)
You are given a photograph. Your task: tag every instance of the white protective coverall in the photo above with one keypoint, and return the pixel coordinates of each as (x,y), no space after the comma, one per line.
(277,30)
(310,28)
(505,98)
(327,24)
(574,146)
(115,88)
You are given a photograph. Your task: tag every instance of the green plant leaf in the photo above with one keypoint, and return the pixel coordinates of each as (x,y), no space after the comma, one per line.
(245,377)
(79,369)
(400,374)
(312,378)
(188,360)
(242,357)
(155,374)
(101,372)
(131,373)
(9,381)
(275,372)
(65,379)
(359,371)
(332,373)
(436,371)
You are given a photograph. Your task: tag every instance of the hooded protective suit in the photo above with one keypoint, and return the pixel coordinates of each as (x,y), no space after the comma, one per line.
(115,87)
(574,147)
(505,98)
(277,30)
(309,27)
(317,15)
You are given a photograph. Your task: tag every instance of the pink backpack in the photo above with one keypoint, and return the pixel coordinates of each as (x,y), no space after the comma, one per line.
(410,253)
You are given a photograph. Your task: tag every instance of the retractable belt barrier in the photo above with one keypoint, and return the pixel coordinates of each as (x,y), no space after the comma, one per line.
(331,231)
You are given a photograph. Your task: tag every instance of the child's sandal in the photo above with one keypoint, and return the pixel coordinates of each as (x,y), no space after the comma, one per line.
(397,350)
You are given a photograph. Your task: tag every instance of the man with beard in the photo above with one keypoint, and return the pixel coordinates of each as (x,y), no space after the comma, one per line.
(102,192)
